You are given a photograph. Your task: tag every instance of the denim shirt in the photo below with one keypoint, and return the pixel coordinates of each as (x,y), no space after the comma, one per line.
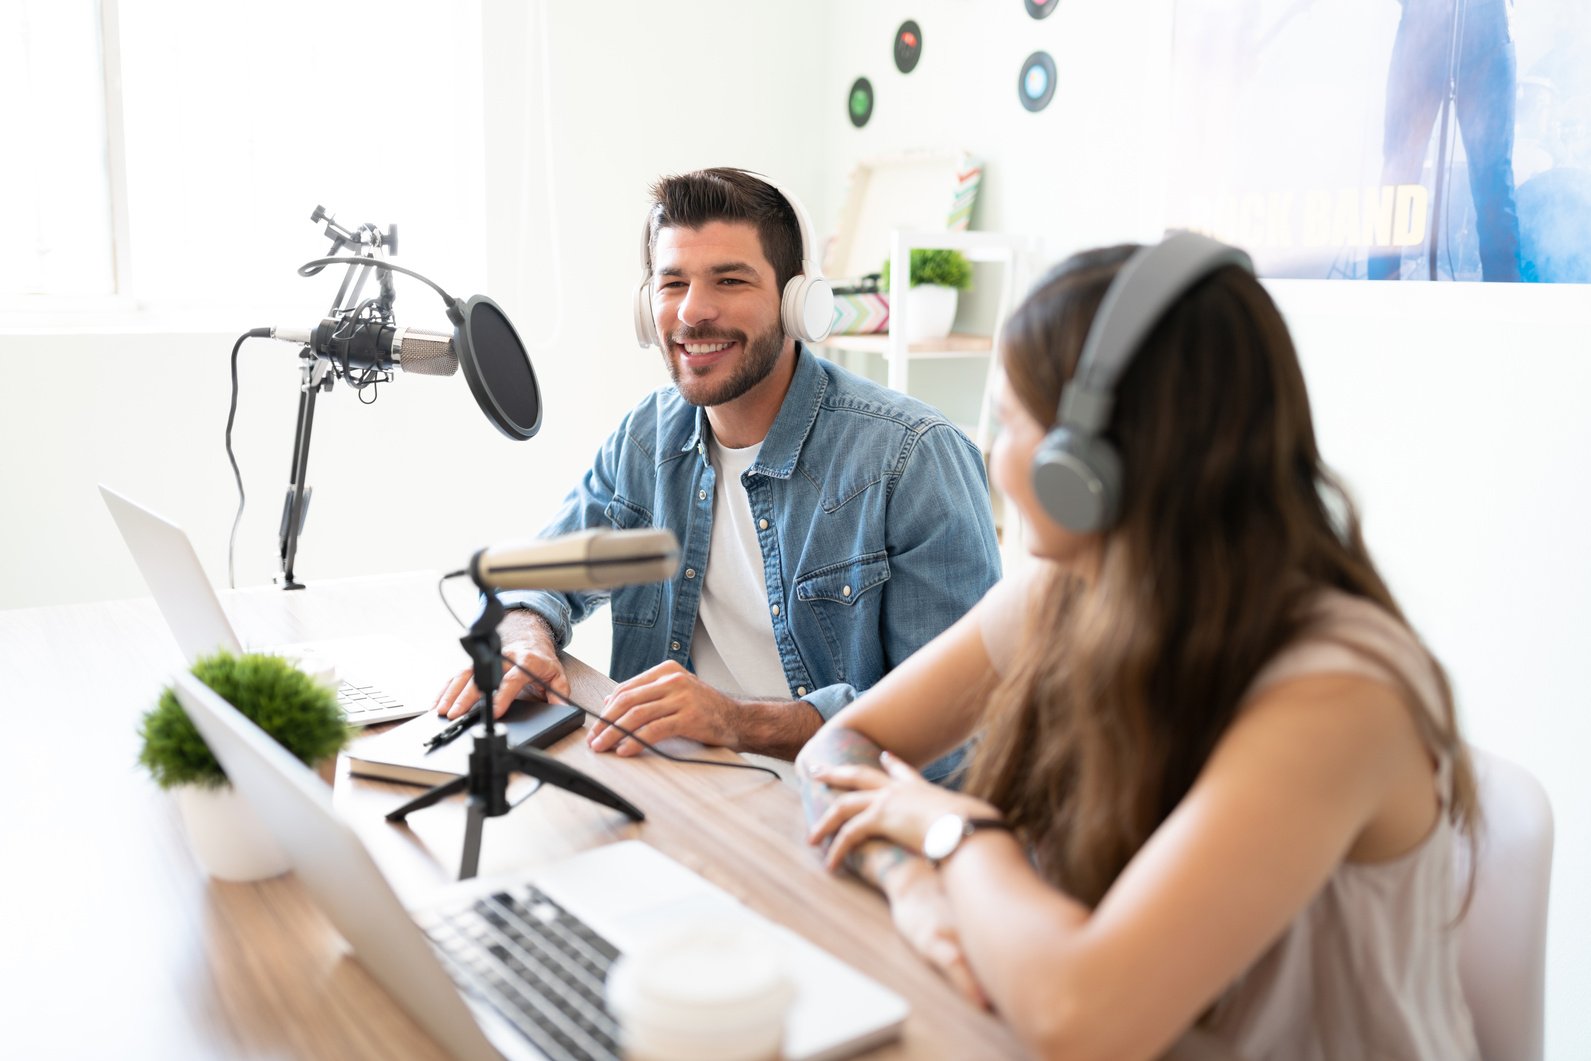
(872,512)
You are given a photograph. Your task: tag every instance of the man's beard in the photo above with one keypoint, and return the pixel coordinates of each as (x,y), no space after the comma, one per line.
(758,357)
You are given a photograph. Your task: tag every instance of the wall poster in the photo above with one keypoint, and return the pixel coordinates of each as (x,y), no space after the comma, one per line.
(1311,132)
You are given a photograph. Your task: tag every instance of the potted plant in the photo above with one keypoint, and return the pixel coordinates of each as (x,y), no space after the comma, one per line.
(299,711)
(937,278)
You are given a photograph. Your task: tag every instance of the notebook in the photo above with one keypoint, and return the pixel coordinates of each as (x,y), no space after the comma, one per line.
(400,754)
(591,902)
(166,558)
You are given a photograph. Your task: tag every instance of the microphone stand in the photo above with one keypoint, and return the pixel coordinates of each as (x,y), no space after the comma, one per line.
(316,377)
(492,761)
(317,372)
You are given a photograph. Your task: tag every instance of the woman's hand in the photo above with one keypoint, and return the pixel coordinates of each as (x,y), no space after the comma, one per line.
(893,804)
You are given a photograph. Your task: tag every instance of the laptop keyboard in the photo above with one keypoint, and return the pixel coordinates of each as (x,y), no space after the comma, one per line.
(360,700)
(536,964)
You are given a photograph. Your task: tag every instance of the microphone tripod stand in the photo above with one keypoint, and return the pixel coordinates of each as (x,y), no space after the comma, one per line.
(492,761)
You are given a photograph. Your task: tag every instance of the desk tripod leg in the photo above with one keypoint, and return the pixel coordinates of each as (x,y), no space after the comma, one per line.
(425,799)
(470,860)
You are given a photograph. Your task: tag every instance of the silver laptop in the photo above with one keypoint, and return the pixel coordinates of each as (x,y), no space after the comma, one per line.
(177,581)
(516,964)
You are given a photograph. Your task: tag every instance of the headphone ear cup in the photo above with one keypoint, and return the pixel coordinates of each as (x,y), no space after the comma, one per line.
(1077,478)
(645,323)
(807,308)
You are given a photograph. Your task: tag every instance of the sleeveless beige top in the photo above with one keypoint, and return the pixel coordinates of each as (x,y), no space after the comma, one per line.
(1369,969)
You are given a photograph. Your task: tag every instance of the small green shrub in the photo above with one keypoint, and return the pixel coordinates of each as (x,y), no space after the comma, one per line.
(946,268)
(298,711)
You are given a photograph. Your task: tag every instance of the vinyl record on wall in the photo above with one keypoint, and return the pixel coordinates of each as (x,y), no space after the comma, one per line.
(1041,8)
(908,46)
(860,103)
(1036,85)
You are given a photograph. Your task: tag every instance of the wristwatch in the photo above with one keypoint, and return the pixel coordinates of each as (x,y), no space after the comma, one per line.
(946,832)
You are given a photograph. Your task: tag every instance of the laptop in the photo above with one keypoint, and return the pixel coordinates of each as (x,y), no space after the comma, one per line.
(171,568)
(516,965)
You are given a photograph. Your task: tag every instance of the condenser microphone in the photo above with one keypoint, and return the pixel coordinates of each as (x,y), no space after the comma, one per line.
(382,348)
(593,559)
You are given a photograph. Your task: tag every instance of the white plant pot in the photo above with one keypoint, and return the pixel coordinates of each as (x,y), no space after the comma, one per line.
(227,837)
(930,311)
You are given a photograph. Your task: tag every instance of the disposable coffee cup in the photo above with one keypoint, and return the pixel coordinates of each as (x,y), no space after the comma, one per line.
(703,991)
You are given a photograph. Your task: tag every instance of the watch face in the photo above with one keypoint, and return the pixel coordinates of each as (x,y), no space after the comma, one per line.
(943,834)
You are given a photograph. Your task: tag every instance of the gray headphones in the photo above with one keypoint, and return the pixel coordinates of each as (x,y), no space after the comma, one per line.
(1076,472)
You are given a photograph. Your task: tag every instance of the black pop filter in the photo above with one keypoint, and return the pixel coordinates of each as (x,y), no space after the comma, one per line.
(496,367)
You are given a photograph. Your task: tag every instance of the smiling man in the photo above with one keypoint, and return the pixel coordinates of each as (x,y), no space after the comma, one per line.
(829,527)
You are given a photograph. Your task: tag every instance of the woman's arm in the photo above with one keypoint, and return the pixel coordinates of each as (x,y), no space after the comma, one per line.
(919,711)
(1303,776)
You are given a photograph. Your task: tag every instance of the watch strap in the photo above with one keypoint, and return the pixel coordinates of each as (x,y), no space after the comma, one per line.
(968,827)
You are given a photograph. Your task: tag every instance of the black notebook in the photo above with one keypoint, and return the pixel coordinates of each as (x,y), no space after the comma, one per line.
(399,754)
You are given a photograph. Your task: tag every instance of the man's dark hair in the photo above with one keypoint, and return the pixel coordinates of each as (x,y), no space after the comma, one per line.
(691,200)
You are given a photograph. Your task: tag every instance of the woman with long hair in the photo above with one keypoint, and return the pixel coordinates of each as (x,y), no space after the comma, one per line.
(1218,782)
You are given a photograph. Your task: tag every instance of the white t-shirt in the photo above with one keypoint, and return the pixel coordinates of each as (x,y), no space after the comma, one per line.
(733,648)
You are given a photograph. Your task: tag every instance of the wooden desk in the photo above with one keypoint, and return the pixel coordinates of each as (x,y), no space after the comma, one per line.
(116,945)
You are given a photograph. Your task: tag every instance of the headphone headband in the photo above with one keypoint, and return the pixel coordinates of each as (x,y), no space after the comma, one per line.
(1144,290)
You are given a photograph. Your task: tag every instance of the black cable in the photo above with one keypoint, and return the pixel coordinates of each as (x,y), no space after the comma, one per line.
(313,266)
(231,414)
(546,692)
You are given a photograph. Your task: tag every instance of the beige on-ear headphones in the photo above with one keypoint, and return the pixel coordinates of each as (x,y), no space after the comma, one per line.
(806,308)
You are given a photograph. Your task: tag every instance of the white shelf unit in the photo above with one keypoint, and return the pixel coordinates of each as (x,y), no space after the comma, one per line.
(1017,254)
(1009,250)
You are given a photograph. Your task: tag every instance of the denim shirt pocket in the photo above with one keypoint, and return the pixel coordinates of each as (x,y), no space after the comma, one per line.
(633,605)
(844,599)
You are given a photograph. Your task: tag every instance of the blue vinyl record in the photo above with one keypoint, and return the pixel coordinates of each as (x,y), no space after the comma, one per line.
(1036,85)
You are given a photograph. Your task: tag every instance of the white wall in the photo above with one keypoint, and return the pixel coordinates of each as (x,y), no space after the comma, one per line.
(1454,413)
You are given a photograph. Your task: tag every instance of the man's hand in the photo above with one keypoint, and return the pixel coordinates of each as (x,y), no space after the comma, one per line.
(528,641)
(670,701)
(666,701)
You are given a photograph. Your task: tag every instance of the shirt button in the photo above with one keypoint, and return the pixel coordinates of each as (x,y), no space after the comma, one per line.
(690,572)
(776,609)
(762,524)
(701,495)
(845,591)
(801,690)
(675,646)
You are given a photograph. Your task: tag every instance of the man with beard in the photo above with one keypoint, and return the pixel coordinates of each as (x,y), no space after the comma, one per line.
(829,527)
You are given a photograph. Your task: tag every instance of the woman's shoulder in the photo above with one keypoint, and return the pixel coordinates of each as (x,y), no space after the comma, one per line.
(1003,612)
(1344,634)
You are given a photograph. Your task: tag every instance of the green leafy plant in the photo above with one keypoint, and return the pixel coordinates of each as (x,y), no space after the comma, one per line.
(298,711)
(947,268)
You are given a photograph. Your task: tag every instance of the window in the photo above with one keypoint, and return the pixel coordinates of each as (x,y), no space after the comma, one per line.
(56,225)
(237,120)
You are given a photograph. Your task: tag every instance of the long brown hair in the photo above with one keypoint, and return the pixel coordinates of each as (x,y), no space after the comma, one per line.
(1229,526)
